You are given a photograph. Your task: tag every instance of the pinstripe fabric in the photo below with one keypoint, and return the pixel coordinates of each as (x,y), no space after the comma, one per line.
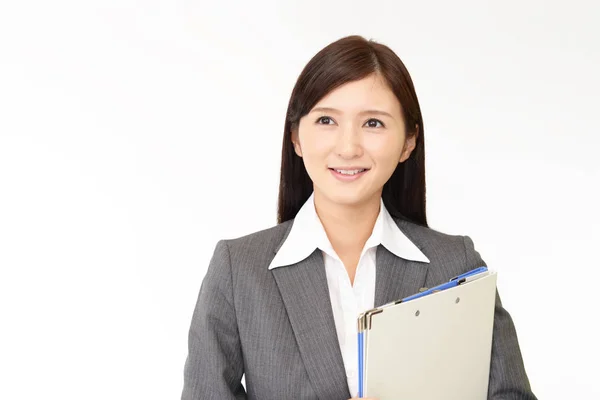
(277,327)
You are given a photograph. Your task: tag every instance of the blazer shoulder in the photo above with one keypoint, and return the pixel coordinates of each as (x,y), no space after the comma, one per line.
(259,244)
(426,236)
(440,247)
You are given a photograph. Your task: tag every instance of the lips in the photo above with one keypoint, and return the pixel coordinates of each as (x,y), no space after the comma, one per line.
(349,170)
(348,174)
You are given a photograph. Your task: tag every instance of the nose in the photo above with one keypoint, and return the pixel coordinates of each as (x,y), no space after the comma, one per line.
(348,144)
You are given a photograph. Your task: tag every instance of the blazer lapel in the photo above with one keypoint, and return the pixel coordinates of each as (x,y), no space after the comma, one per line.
(396,277)
(303,287)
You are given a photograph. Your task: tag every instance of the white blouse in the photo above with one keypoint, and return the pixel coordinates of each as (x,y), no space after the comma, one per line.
(347,300)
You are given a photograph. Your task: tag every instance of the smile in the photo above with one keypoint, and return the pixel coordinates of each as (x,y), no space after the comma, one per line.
(348,174)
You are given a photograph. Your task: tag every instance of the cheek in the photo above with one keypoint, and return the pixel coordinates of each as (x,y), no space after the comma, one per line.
(385,153)
(316,147)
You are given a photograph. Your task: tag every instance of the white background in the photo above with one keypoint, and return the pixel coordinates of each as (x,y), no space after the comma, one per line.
(136,134)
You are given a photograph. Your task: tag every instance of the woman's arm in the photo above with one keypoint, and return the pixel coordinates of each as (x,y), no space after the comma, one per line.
(214,365)
(508,379)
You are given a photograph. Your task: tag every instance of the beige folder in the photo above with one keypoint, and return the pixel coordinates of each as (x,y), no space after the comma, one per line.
(436,347)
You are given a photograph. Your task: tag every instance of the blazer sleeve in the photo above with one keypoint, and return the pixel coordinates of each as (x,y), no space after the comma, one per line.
(508,379)
(214,364)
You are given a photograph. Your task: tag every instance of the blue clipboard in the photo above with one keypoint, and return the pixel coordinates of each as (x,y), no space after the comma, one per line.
(457,280)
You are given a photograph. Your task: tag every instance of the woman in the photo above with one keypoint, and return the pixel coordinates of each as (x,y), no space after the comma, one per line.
(280,305)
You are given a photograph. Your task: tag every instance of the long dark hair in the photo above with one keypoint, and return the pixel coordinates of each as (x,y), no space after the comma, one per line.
(345,60)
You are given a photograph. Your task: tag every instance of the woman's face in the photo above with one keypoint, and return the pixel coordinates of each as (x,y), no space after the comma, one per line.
(352,140)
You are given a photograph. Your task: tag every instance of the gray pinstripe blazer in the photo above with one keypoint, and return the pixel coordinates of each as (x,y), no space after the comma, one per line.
(277,327)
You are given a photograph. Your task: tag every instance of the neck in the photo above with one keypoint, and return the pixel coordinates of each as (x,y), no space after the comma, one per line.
(347,226)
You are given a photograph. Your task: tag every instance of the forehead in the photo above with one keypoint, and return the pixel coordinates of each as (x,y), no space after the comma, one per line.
(368,93)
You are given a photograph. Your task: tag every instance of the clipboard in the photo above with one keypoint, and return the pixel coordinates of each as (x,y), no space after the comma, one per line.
(433,345)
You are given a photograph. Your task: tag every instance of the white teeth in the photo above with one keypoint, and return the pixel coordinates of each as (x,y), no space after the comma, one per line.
(349,171)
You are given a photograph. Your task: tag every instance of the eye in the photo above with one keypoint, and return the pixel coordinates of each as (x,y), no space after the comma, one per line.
(325,120)
(372,123)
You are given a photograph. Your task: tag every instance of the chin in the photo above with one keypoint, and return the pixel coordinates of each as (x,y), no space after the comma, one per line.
(347,199)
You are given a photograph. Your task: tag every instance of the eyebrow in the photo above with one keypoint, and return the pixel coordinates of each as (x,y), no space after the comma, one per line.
(335,111)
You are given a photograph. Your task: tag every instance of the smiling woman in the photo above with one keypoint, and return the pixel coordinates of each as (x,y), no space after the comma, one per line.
(280,306)
(356,134)
(356,88)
